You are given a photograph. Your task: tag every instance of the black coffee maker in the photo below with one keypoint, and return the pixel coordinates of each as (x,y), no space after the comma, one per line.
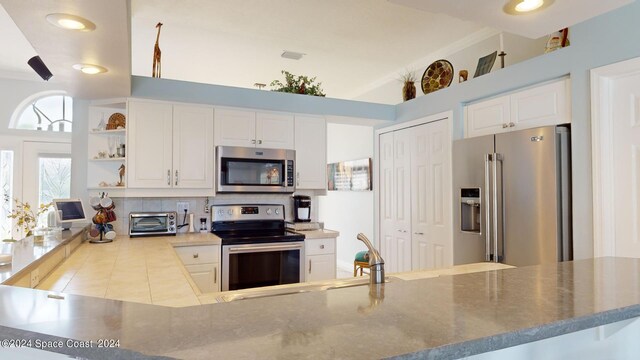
(302,208)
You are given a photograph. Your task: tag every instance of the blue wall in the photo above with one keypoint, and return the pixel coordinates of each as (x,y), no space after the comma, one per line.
(607,39)
(174,90)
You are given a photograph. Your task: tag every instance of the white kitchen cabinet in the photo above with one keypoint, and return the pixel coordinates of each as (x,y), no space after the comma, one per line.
(103,171)
(203,264)
(171,146)
(320,259)
(415,193)
(488,117)
(543,105)
(236,127)
(311,152)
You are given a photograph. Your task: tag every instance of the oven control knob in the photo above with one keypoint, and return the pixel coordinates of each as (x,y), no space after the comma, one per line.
(230,212)
(171,216)
(220,212)
(172,222)
(171,228)
(269,211)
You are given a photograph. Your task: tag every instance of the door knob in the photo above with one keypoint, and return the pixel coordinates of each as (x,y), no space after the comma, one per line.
(512,124)
(504,126)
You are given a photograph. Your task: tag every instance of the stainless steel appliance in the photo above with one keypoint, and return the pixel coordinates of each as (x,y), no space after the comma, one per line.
(252,170)
(302,208)
(152,223)
(257,249)
(513,197)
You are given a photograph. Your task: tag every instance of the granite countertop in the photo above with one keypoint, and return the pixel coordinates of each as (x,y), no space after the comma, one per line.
(29,253)
(193,239)
(445,317)
(318,234)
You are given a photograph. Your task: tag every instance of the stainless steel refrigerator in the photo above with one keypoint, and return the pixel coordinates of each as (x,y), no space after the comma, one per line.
(512,197)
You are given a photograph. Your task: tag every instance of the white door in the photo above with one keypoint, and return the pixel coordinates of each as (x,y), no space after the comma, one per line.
(625,109)
(402,140)
(386,214)
(235,127)
(438,226)
(149,148)
(192,147)
(420,198)
(311,152)
(274,131)
(46,172)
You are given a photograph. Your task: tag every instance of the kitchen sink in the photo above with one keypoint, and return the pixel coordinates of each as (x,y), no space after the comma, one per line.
(295,289)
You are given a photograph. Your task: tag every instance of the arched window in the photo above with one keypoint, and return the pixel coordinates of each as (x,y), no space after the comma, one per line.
(45,111)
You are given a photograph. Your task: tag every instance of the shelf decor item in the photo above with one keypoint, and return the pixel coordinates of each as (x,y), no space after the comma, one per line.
(409,87)
(157,54)
(26,219)
(116,121)
(299,84)
(485,64)
(437,76)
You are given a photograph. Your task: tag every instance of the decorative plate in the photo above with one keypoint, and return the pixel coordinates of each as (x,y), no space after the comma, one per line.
(437,76)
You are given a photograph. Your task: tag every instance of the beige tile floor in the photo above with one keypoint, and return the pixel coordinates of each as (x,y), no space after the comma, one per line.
(136,270)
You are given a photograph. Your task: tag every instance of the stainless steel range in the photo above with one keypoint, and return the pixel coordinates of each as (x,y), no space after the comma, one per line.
(257,249)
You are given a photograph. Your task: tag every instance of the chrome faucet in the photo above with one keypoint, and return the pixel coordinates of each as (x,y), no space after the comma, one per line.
(376,263)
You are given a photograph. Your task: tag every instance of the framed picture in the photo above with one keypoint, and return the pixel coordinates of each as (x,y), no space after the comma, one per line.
(485,64)
(352,175)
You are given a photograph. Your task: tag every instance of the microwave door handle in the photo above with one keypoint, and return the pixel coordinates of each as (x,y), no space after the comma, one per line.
(487,215)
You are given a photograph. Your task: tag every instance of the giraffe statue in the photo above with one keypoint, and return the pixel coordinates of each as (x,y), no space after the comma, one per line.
(156,55)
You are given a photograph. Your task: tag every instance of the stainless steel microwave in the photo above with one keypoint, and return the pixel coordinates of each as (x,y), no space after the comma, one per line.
(253,170)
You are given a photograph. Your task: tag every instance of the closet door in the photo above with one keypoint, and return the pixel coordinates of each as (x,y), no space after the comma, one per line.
(430,195)
(420,198)
(387,217)
(401,243)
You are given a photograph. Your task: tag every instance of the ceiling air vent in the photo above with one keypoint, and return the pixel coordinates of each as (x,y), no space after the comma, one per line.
(292,55)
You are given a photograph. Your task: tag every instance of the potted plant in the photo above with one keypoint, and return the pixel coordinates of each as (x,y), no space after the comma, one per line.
(26,219)
(409,87)
(297,85)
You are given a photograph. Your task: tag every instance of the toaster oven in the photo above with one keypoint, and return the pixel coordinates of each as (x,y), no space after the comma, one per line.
(152,223)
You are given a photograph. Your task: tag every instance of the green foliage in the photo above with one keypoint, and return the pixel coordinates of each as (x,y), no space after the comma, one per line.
(25,218)
(297,85)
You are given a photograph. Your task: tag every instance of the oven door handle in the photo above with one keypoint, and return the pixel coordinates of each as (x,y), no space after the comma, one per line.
(263,248)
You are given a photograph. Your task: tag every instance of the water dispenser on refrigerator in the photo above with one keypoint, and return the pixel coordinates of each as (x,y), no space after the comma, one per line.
(470,206)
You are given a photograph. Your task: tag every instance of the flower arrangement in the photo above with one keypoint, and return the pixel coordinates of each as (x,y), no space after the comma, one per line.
(26,219)
(297,85)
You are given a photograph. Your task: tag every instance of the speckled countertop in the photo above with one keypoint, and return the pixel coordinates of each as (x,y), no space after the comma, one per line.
(29,253)
(444,318)
(319,234)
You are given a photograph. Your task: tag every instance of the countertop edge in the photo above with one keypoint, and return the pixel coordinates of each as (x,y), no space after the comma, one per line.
(524,336)
(44,257)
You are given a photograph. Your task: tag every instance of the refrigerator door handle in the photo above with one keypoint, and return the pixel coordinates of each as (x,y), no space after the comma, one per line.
(487,214)
(494,220)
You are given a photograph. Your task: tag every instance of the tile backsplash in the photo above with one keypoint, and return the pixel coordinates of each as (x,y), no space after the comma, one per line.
(197,206)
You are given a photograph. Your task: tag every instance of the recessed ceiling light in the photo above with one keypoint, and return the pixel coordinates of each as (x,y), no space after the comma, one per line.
(70,22)
(292,55)
(521,7)
(90,68)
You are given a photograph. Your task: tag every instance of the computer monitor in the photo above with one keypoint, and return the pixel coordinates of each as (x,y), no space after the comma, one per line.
(69,211)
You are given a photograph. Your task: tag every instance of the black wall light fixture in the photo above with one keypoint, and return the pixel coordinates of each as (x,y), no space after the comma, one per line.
(38,65)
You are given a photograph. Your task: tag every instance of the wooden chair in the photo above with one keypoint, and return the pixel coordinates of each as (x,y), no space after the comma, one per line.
(361,262)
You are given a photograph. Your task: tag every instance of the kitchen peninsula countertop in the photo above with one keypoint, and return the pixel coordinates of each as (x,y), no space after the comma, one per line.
(28,253)
(445,317)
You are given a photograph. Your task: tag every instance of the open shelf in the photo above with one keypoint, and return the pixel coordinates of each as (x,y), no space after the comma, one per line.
(109,132)
(109,159)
